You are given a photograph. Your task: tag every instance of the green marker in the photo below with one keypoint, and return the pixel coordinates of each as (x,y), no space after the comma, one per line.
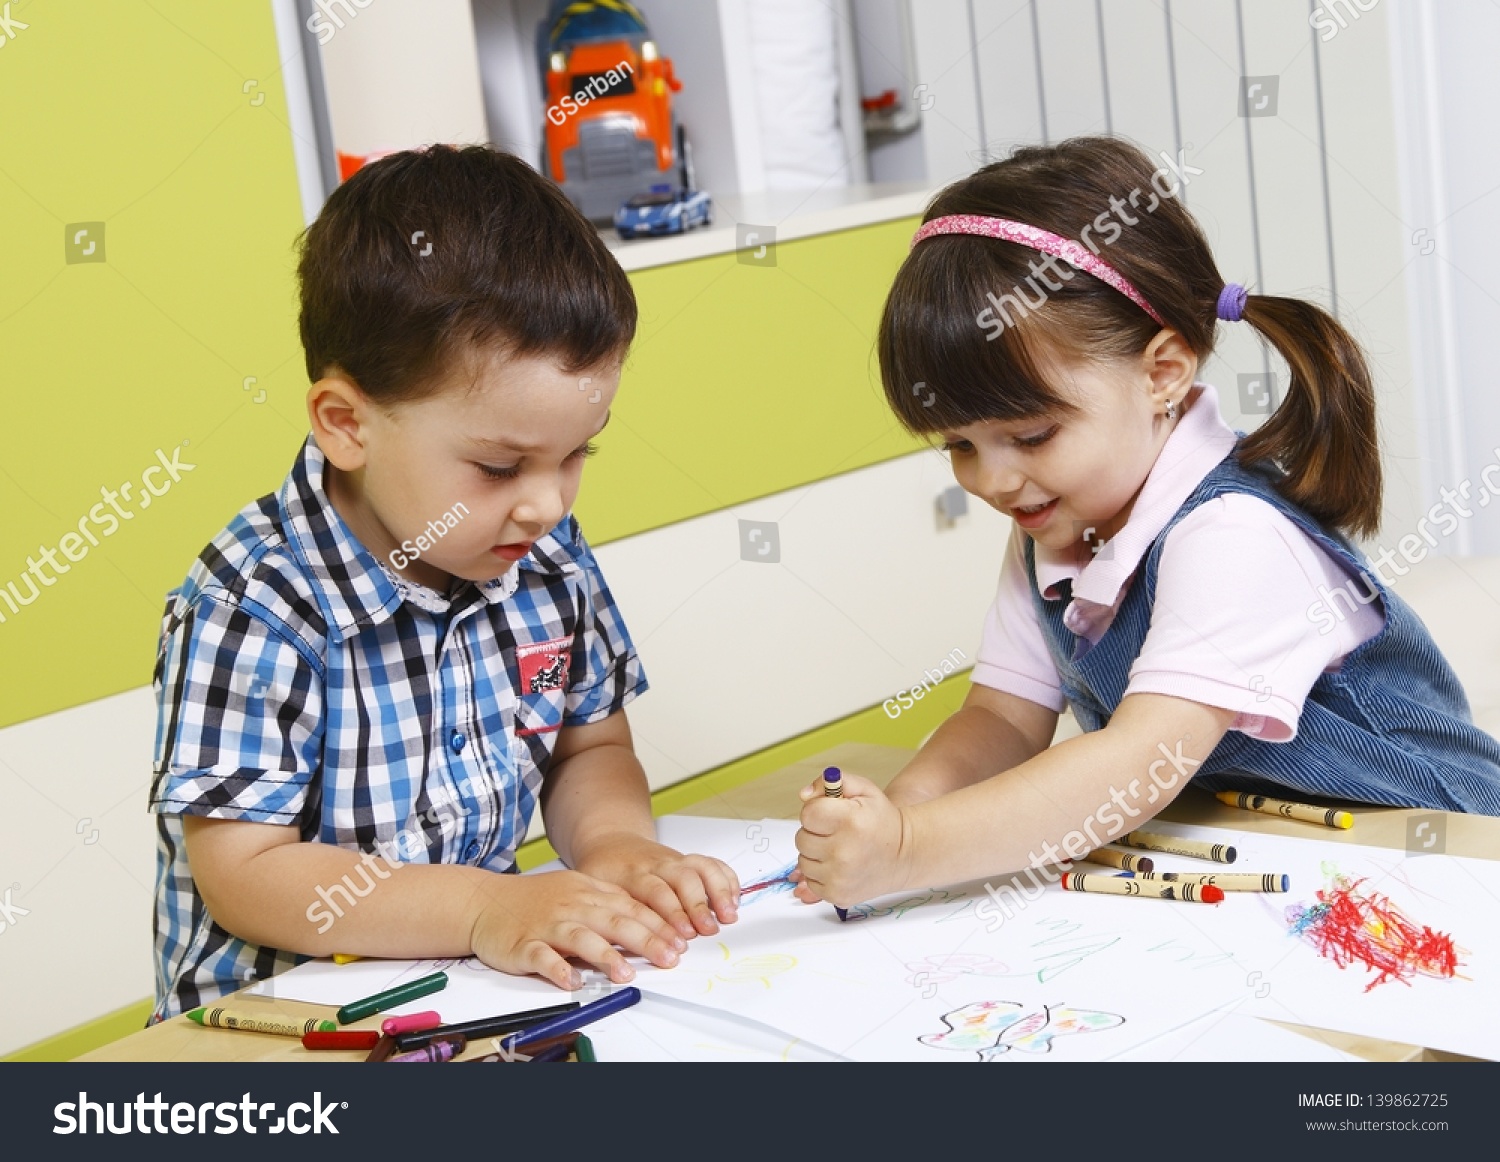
(212,1016)
(412,990)
(584,1049)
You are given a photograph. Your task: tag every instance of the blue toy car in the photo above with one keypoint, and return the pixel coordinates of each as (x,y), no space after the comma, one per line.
(664,211)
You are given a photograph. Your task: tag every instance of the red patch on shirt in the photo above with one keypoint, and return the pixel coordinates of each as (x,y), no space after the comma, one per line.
(544,665)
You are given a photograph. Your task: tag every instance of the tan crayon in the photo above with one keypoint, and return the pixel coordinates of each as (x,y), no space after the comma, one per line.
(1176,845)
(1305,812)
(1123,886)
(1229,881)
(1125,860)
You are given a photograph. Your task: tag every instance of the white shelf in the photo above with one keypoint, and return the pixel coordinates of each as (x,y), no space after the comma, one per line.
(792,213)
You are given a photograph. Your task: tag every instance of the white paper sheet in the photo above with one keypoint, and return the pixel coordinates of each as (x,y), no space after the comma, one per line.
(936,975)
(947,975)
(1450,902)
(1232,1036)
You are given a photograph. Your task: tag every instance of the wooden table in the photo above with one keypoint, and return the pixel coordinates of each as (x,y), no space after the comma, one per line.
(774,796)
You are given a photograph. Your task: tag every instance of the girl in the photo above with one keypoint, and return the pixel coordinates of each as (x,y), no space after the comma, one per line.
(1189,591)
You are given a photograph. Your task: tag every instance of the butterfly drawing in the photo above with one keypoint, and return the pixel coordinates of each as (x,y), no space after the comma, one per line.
(994,1028)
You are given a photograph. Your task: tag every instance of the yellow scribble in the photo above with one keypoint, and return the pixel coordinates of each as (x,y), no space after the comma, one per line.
(758,969)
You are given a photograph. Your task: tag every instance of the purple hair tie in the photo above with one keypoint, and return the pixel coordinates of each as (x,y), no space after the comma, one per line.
(1231,304)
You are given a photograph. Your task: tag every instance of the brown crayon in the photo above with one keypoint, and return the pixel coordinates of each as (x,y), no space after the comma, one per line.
(1176,845)
(1125,860)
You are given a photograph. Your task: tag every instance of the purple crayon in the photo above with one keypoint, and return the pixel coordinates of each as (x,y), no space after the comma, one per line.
(443,1050)
(833,788)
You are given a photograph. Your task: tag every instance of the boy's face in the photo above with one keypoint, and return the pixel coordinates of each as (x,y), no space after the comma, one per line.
(492,458)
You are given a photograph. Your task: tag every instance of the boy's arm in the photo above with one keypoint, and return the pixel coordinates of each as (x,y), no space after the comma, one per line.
(991,732)
(1059,805)
(597,806)
(262,883)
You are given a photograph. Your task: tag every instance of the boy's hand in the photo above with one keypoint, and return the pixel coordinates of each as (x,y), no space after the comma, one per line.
(854,848)
(688,891)
(533,923)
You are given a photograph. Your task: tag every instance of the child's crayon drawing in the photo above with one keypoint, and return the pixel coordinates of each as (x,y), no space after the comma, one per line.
(776,884)
(757,968)
(448,964)
(933,970)
(901,907)
(1067,947)
(1353,924)
(995,1028)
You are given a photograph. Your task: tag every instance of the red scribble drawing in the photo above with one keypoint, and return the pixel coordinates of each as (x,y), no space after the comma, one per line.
(1351,924)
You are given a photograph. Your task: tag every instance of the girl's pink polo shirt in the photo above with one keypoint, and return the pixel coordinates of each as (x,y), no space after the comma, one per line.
(1237,620)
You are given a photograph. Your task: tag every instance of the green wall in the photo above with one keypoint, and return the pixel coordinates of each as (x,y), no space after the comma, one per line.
(167,123)
(135,115)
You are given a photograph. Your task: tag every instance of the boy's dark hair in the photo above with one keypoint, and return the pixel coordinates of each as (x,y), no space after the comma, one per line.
(425,254)
(941,369)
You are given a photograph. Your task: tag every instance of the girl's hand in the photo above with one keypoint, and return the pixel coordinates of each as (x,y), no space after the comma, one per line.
(693,893)
(534,923)
(854,848)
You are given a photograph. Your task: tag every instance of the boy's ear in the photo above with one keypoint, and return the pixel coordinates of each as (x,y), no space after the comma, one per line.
(1171,365)
(339,411)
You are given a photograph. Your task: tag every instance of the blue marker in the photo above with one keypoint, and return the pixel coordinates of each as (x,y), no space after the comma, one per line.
(572,1022)
(833,788)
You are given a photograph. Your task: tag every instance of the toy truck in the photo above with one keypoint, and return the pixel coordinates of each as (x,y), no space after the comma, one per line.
(610,131)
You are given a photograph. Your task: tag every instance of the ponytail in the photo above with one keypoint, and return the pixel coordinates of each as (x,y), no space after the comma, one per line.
(1323,436)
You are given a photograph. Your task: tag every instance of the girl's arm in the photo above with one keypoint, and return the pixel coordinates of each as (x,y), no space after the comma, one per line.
(991,732)
(1059,805)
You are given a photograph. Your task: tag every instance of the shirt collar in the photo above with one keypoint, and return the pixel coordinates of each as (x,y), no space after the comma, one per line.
(353,588)
(1200,440)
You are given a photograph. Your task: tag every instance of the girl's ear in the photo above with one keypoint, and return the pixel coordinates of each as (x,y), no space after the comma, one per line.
(1171,365)
(338,411)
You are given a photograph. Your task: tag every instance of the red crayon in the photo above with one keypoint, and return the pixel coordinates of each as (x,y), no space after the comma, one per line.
(1145,889)
(342,1039)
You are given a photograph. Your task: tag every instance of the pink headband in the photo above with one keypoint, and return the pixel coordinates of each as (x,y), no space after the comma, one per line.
(1038,239)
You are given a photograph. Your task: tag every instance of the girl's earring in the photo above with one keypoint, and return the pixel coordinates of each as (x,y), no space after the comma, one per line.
(1171,409)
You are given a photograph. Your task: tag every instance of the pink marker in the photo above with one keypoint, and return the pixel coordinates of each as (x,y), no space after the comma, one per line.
(411,1023)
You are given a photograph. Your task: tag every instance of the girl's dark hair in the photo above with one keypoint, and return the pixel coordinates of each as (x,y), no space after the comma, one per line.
(423,255)
(944,366)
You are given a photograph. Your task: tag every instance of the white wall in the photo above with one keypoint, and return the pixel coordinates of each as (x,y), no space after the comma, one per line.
(1447,89)
(401,73)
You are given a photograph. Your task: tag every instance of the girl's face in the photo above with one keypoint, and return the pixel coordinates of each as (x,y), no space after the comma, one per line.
(1072,478)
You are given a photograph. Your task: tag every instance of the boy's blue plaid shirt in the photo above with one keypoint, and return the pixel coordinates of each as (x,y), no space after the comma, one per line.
(299,682)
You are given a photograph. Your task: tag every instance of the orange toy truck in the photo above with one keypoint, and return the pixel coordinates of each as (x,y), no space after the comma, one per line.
(610,130)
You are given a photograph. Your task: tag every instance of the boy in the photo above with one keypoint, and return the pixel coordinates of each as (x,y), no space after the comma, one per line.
(370,677)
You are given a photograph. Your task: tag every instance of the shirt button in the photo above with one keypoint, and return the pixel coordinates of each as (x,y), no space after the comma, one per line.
(471,851)
(457,741)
